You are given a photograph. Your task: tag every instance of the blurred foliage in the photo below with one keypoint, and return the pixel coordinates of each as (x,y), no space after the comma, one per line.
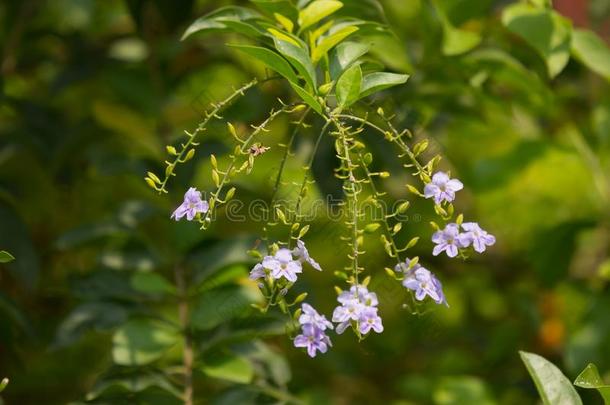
(512,95)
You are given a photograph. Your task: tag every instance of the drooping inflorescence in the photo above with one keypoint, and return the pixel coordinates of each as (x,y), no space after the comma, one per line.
(329,77)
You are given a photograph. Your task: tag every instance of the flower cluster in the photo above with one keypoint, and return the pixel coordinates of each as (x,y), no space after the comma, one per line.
(313,331)
(359,309)
(191,206)
(450,239)
(421,281)
(285,263)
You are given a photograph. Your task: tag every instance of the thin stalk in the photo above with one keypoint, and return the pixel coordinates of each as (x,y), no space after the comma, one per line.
(301,195)
(216,108)
(388,229)
(278,179)
(242,150)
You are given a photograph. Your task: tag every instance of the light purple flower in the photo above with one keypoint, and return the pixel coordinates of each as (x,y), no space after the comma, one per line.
(311,316)
(314,339)
(303,254)
(192,205)
(369,320)
(257,272)
(423,282)
(283,265)
(349,310)
(476,236)
(442,188)
(447,240)
(355,307)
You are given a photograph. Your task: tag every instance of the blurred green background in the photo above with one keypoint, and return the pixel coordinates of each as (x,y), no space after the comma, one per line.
(92,91)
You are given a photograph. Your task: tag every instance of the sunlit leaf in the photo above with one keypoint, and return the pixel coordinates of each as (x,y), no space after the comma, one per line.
(348,86)
(457,41)
(344,55)
(592,51)
(212,21)
(316,11)
(374,82)
(330,41)
(141,341)
(589,378)
(553,386)
(229,367)
(299,58)
(6,257)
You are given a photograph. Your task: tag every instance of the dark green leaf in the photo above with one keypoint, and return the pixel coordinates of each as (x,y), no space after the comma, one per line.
(151,283)
(271,59)
(98,316)
(544,30)
(348,86)
(553,387)
(374,82)
(221,305)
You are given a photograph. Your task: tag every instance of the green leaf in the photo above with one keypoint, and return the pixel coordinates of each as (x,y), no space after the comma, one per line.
(344,55)
(589,378)
(6,257)
(282,7)
(229,367)
(151,283)
(307,98)
(270,59)
(3,384)
(316,11)
(330,41)
(215,21)
(299,58)
(544,30)
(221,305)
(127,386)
(142,341)
(348,86)
(243,28)
(591,51)
(378,81)
(553,386)
(457,41)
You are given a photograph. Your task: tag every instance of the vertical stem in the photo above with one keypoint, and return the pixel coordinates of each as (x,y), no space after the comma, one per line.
(187,354)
